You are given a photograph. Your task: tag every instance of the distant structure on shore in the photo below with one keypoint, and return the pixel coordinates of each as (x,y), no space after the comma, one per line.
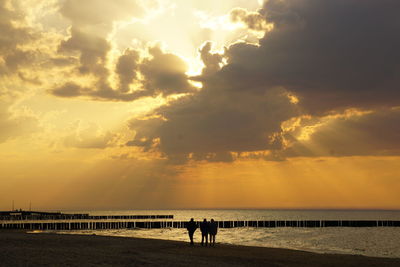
(21,212)
(38,215)
(17,215)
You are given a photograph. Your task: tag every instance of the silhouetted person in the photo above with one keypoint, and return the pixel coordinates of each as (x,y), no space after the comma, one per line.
(204,232)
(212,229)
(191,227)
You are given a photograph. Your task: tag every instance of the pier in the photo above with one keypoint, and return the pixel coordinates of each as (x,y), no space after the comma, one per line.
(39,215)
(131,224)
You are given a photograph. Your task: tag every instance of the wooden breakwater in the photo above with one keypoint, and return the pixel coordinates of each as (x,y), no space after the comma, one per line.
(126,224)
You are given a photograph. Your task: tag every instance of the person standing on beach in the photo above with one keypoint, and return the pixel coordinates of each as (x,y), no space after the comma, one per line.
(191,227)
(212,229)
(204,232)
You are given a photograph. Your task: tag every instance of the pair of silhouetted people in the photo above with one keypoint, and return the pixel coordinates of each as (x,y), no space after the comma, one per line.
(206,228)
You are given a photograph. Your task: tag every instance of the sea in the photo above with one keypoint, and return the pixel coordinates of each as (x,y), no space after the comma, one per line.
(368,241)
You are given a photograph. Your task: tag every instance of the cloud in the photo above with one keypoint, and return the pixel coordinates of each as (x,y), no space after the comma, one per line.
(92,51)
(101,14)
(157,73)
(322,57)
(91,23)
(332,54)
(253,20)
(16,55)
(212,123)
(161,74)
(373,133)
(126,69)
(69,89)
(14,124)
(89,136)
(15,34)
(164,73)
(88,41)
(212,61)
(62,61)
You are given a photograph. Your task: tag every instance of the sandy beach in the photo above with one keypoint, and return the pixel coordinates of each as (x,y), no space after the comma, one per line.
(18,248)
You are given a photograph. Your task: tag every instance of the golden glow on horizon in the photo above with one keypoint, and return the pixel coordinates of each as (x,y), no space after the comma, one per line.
(300,183)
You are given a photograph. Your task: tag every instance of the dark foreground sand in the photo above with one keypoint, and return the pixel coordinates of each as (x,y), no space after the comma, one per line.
(21,249)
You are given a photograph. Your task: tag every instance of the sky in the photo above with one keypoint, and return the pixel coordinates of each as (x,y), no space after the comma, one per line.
(180,104)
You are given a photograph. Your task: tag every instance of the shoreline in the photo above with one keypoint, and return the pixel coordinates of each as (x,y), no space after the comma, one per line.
(22,248)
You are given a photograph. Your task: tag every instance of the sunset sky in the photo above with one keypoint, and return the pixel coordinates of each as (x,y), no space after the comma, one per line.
(160,104)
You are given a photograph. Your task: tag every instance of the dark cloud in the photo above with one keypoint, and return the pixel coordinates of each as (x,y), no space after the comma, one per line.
(216,121)
(69,89)
(375,133)
(29,78)
(18,58)
(61,61)
(164,73)
(92,51)
(212,61)
(127,69)
(331,55)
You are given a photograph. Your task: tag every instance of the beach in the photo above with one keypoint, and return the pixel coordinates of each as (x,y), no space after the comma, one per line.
(18,248)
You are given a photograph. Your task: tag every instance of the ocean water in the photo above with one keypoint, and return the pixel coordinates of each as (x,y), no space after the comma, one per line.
(368,241)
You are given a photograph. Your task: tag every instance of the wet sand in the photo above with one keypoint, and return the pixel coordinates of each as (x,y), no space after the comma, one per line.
(18,248)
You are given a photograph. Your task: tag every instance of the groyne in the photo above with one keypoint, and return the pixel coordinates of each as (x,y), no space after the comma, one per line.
(131,224)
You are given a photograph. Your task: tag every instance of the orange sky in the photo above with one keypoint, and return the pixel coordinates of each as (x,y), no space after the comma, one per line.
(352,182)
(168,104)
